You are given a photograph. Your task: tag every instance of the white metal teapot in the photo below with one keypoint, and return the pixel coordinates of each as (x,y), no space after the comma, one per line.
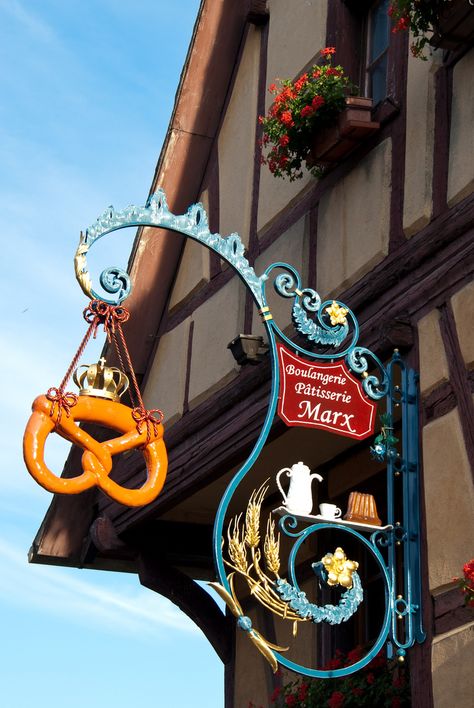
(298,500)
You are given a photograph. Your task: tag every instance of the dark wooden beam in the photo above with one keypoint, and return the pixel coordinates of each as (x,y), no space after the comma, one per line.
(183,545)
(258,13)
(458,376)
(449,610)
(196,603)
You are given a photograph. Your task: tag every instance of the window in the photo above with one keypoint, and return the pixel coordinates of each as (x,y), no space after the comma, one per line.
(377,42)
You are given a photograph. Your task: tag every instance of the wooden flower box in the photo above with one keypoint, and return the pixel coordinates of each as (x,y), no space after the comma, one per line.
(455,26)
(355,123)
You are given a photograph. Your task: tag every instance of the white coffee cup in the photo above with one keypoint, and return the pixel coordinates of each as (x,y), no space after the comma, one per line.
(330,511)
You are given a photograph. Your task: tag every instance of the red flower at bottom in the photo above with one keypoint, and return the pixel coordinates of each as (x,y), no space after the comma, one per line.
(303,692)
(336,700)
(290,700)
(275,694)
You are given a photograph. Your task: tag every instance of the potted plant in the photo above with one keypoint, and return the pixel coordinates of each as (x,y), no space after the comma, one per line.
(440,23)
(379,684)
(314,120)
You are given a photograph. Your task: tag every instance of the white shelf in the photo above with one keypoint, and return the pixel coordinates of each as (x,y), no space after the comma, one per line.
(283,511)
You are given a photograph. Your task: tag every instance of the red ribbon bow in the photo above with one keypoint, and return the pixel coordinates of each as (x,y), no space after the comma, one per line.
(99,312)
(61,401)
(142,417)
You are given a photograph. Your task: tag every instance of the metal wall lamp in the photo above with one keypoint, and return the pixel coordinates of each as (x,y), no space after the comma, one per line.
(248,349)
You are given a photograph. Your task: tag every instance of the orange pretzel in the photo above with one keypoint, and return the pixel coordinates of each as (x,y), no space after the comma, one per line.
(97,458)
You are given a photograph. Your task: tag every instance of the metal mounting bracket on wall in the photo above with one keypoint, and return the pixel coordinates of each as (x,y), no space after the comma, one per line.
(331,331)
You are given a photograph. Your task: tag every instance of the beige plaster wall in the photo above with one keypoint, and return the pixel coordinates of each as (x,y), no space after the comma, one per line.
(291,247)
(193,273)
(165,384)
(354,222)
(236,144)
(463,307)
(250,670)
(194,268)
(418,201)
(452,662)
(449,499)
(433,362)
(216,322)
(297,32)
(276,194)
(461,147)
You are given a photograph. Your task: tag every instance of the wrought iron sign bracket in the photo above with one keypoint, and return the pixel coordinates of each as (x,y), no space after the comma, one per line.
(358,380)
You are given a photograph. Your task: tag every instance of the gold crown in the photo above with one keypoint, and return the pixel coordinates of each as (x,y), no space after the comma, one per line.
(102,381)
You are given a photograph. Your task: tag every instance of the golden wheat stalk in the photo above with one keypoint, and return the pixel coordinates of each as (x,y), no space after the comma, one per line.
(236,545)
(252,516)
(271,548)
(247,535)
(265,595)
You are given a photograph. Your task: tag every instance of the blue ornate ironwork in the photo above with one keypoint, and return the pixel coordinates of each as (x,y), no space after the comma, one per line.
(332,614)
(332,331)
(193,224)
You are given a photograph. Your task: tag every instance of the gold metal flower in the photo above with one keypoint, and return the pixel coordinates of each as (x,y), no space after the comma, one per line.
(337,313)
(339,568)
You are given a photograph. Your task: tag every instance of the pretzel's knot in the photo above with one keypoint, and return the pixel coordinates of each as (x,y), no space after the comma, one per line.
(143,417)
(111,316)
(61,402)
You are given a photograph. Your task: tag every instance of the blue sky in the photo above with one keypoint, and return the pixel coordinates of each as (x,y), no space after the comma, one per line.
(87,89)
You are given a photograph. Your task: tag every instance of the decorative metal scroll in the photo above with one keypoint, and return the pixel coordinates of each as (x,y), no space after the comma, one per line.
(331,332)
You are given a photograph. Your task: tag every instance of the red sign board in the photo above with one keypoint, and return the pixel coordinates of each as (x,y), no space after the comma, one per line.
(325,396)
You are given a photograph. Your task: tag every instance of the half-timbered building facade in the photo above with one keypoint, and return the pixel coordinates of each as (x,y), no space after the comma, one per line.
(389,230)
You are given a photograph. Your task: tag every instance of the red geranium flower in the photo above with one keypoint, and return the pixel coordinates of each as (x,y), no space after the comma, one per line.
(336,700)
(317,102)
(284,140)
(290,700)
(398,682)
(354,655)
(303,692)
(468,570)
(307,111)
(402,24)
(275,694)
(301,82)
(286,118)
(378,661)
(328,50)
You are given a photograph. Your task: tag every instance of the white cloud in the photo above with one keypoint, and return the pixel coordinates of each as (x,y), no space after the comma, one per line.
(57,591)
(35,26)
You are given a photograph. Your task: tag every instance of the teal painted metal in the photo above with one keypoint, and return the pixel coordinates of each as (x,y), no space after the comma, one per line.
(402,594)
